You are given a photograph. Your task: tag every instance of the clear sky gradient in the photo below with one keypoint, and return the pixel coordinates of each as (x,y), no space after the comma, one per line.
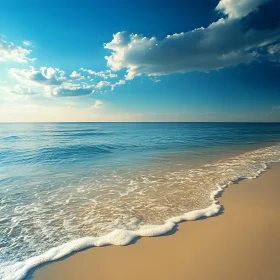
(189,60)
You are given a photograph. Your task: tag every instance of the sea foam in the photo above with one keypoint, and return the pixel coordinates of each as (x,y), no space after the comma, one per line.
(19,270)
(118,237)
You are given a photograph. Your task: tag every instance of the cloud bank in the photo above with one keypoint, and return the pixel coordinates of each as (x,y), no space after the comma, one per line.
(68,90)
(223,43)
(45,76)
(50,81)
(103,74)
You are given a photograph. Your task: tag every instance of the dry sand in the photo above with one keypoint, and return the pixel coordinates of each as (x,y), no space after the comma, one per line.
(242,243)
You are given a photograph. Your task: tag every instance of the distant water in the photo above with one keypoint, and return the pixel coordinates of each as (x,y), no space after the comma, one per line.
(60,182)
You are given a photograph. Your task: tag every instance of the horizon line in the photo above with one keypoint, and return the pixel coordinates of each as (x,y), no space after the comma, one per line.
(18,122)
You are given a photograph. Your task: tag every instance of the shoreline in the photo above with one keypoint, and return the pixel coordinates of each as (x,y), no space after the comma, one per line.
(126,260)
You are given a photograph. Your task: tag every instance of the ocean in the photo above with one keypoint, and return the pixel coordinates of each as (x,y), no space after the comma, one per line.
(68,186)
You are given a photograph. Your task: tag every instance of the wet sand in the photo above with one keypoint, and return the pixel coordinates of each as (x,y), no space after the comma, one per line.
(242,243)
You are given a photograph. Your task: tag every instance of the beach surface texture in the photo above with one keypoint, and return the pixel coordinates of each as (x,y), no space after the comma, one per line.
(240,243)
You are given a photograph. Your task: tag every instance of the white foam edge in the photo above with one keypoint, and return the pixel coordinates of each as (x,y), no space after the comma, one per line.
(120,237)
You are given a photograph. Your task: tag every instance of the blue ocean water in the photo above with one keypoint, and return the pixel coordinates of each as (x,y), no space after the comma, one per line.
(64,181)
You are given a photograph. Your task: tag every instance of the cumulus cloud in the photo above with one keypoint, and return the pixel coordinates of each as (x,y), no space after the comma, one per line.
(10,52)
(239,8)
(102,74)
(73,90)
(223,43)
(76,76)
(52,82)
(44,76)
(103,84)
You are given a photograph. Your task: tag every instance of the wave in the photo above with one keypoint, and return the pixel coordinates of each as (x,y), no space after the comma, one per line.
(70,151)
(78,134)
(120,237)
(56,154)
(10,138)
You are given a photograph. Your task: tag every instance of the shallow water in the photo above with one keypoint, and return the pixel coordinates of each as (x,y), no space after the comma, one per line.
(64,181)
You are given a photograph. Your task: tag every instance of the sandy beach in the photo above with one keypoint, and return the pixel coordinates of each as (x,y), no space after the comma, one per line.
(241,243)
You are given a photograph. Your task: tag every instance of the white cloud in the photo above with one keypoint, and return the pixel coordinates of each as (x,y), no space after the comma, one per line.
(239,8)
(52,82)
(44,76)
(273,49)
(26,43)
(118,83)
(97,104)
(103,84)
(223,43)
(68,90)
(155,79)
(102,74)
(10,52)
(274,53)
(76,76)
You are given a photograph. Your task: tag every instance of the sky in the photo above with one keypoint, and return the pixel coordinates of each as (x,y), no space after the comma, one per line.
(156,60)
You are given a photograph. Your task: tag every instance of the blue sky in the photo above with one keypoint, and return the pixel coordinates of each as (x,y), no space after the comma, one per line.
(143,60)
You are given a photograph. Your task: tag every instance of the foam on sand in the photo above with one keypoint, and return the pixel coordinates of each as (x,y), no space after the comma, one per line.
(120,237)
(229,170)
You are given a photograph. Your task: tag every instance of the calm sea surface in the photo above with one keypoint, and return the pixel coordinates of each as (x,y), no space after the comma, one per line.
(63,181)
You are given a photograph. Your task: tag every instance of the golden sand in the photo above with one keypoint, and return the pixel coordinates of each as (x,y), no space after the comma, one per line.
(242,243)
